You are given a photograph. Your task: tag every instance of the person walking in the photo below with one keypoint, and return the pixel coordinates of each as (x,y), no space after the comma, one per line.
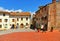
(17,26)
(12,26)
(42,27)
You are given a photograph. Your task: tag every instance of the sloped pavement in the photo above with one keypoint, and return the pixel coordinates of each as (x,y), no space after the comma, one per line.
(15,30)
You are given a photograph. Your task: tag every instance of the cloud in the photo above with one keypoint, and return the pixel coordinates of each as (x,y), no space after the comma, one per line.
(32,12)
(19,10)
(12,10)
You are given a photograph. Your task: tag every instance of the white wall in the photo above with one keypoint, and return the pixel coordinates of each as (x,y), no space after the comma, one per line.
(3,18)
(7,16)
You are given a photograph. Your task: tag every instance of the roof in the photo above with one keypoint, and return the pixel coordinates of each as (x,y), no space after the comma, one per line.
(46,5)
(20,14)
(4,12)
(17,13)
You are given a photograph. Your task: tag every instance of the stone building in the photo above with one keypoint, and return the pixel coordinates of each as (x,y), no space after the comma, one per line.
(49,15)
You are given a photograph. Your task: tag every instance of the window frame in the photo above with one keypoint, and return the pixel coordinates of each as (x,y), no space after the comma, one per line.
(26,18)
(1,25)
(5,20)
(13,20)
(0,20)
(3,14)
(21,19)
(26,24)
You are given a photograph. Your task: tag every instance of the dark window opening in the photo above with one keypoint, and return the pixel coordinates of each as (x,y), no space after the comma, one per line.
(6,20)
(0,20)
(0,26)
(26,18)
(21,18)
(13,20)
(26,23)
(3,14)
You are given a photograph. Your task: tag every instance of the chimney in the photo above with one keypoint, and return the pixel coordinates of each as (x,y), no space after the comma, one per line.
(53,1)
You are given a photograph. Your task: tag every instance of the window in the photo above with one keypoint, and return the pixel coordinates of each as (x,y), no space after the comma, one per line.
(10,24)
(0,26)
(26,23)
(17,23)
(6,20)
(36,18)
(5,25)
(13,20)
(17,19)
(0,20)
(27,18)
(21,18)
(3,14)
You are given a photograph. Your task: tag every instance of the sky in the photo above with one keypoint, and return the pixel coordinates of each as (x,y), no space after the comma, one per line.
(22,5)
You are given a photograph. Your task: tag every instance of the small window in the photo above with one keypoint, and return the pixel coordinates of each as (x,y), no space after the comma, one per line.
(13,20)
(3,14)
(36,18)
(6,20)
(0,20)
(5,25)
(21,18)
(27,18)
(17,19)
(10,24)
(17,23)
(0,26)
(26,23)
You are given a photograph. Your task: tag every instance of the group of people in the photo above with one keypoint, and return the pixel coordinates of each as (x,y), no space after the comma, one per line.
(14,26)
(41,27)
(21,26)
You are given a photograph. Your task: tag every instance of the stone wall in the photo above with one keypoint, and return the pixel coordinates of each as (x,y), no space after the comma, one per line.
(58,15)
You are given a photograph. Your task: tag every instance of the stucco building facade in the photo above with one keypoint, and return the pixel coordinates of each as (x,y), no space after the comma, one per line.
(7,19)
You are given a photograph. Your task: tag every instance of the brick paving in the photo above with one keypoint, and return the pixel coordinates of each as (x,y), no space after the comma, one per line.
(31,36)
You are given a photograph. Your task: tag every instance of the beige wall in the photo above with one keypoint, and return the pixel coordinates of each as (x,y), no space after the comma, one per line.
(58,15)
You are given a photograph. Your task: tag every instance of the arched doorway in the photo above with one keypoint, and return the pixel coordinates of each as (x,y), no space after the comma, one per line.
(21,25)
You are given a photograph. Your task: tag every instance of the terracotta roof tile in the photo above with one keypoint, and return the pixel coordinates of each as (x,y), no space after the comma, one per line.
(20,14)
(17,13)
(4,12)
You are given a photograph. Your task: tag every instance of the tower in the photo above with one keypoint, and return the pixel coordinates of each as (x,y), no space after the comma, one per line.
(54,13)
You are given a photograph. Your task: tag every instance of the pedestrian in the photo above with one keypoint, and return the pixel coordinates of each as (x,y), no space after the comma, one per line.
(12,26)
(17,26)
(42,27)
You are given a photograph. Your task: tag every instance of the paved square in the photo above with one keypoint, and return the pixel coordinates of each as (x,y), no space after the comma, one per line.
(31,36)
